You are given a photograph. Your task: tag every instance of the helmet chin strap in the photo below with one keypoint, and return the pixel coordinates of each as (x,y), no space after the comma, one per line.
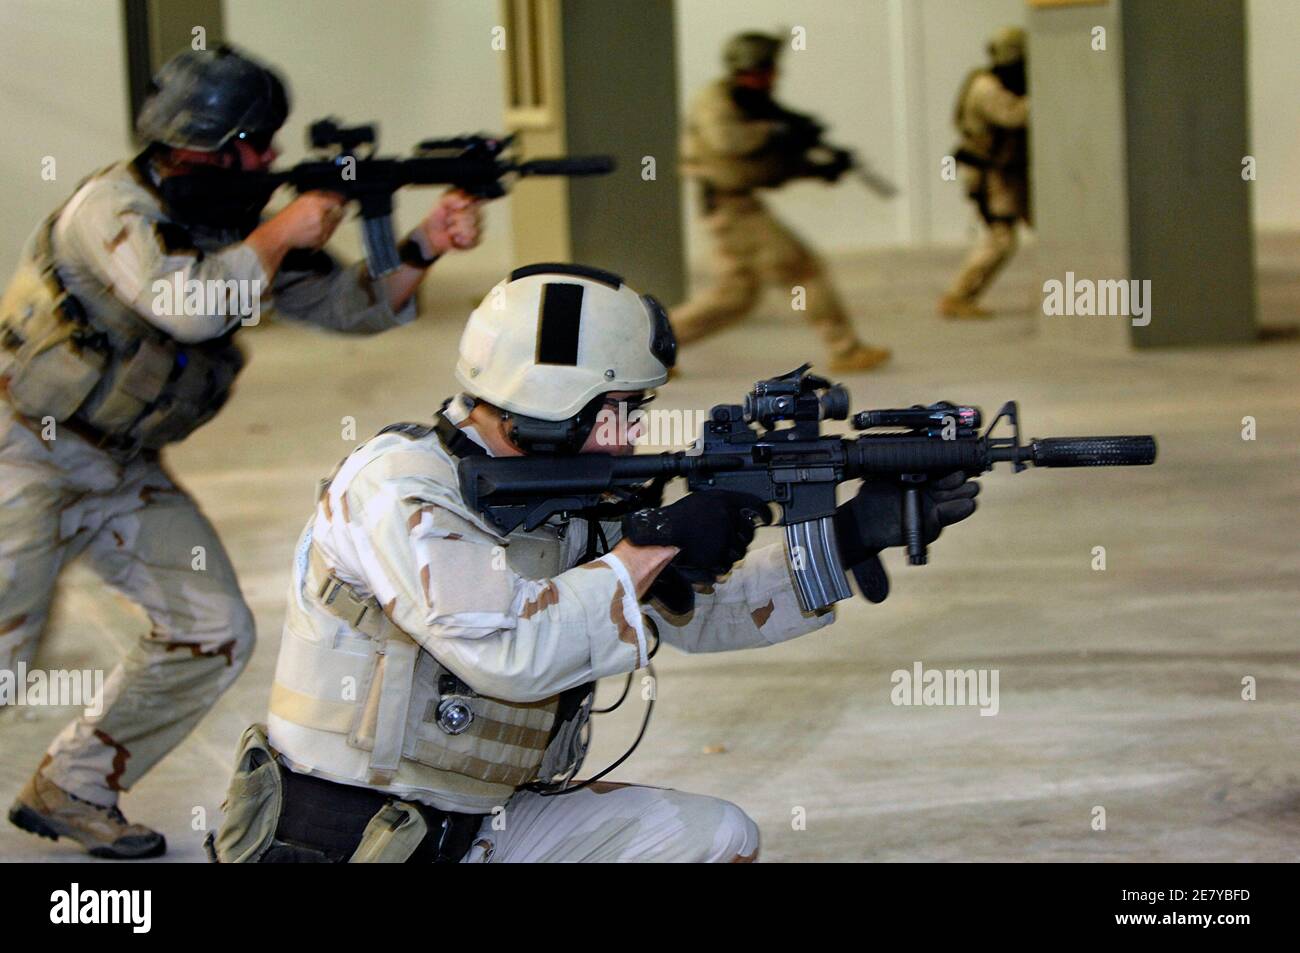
(557,437)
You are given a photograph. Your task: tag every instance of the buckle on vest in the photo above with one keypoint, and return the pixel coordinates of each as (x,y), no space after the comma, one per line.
(329,592)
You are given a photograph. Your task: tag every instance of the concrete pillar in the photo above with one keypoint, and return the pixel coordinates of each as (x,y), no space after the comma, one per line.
(1136,153)
(585,76)
(156,31)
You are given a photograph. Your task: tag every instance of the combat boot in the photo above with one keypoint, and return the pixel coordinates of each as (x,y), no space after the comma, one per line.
(861,357)
(45,809)
(962,308)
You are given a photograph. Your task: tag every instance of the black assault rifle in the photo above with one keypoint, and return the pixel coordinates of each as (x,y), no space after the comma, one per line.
(346,164)
(795,466)
(809,132)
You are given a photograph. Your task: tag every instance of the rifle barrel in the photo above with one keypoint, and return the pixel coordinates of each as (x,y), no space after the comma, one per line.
(574,165)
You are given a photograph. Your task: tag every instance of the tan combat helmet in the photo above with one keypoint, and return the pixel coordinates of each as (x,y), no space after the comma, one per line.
(751,51)
(1007,46)
(548,341)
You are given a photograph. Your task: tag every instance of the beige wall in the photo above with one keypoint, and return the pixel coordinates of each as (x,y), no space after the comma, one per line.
(423,69)
(1273,63)
(62,95)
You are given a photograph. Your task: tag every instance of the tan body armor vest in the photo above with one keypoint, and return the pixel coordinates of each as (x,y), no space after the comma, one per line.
(126,383)
(749,163)
(371,707)
(984,145)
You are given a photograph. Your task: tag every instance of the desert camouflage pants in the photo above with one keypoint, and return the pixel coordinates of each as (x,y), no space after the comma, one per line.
(145,538)
(752,250)
(616,822)
(1003,201)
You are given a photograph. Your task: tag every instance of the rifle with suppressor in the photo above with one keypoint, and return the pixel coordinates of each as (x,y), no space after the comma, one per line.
(346,164)
(795,466)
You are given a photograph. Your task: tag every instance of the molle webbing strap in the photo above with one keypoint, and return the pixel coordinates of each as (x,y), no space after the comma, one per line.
(438,757)
(312,712)
(391,691)
(380,724)
(339,599)
(489,729)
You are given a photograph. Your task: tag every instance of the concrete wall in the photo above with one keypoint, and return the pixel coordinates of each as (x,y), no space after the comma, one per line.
(1188,206)
(1136,152)
(625,222)
(1079,160)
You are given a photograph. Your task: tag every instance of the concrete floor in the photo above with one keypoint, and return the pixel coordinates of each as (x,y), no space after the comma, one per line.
(1119,689)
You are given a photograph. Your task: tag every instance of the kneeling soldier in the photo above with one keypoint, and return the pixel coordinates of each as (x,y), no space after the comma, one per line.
(436,677)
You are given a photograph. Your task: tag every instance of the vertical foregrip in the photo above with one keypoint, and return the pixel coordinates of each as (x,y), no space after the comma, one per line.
(913,527)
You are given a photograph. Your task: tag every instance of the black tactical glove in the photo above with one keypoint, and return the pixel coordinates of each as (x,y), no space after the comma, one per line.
(712,528)
(832,171)
(873,521)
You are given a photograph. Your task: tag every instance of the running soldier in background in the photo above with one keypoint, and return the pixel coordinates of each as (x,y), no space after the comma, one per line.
(993,118)
(738,140)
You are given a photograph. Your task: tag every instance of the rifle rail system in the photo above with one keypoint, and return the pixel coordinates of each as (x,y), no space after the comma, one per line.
(772,446)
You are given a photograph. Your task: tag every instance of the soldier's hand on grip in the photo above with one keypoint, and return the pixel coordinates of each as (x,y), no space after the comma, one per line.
(711,528)
(454,223)
(873,521)
(309,220)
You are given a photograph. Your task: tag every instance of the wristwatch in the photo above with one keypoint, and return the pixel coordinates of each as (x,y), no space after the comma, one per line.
(414,252)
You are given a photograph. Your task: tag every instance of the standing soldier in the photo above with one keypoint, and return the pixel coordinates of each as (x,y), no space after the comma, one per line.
(738,140)
(99,371)
(993,118)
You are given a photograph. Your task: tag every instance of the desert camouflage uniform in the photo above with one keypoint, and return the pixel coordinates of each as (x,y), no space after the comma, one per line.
(139,531)
(993,122)
(393,527)
(732,155)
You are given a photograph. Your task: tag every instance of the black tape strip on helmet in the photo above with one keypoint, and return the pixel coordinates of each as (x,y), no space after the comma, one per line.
(559,324)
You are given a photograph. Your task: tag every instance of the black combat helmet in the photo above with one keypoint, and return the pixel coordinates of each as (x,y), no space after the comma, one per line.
(751,51)
(202,99)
